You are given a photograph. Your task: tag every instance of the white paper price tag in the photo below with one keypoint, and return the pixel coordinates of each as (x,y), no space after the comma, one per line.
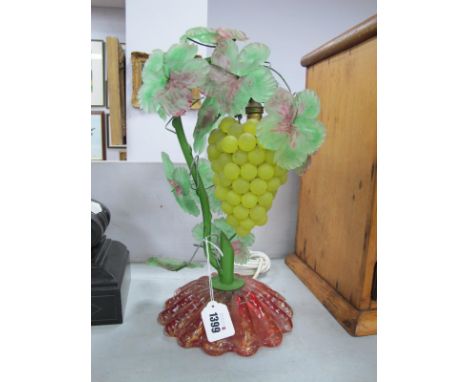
(217,321)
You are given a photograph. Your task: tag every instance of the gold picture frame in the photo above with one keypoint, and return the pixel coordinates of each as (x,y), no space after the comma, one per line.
(138,60)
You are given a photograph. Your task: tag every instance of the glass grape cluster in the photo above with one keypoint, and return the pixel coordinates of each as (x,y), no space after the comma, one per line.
(246,177)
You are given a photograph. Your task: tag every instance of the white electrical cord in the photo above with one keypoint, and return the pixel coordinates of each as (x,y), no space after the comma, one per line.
(258,263)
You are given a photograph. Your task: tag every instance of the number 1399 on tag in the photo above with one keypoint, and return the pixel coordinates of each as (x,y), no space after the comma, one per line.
(217,321)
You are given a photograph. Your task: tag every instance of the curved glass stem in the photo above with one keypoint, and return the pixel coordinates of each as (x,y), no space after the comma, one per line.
(201,192)
(225,267)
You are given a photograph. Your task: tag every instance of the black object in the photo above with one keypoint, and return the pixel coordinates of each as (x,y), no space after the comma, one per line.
(110,273)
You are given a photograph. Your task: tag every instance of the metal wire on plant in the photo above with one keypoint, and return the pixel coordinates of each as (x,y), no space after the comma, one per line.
(201,43)
(268,65)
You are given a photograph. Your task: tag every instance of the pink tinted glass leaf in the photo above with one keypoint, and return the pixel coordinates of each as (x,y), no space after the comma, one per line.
(230,34)
(225,55)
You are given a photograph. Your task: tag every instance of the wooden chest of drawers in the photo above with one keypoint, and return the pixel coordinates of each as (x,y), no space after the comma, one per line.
(335,252)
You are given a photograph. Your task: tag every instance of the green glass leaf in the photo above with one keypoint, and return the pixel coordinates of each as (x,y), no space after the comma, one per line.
(266,134)
(260,84)
(202,34)
(312,134)
(207,116)
(281,104)
(289,158)
(307,104)
(171,264)
(194,72)
(290,128)
(225,55)
(178,55)
(250,57)
(167,165)
(206,174)
(185,196)
(222,225)
(241,251)
(230,34)
(197,232)
(229,231)
(212,36)
(247,240)
(153,65)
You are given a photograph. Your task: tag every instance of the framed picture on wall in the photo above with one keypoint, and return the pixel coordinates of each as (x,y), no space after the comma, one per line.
(98,136)
(109,136)
(138,61)
(98,89)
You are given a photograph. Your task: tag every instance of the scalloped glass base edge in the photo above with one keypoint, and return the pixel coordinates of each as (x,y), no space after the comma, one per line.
(260,316)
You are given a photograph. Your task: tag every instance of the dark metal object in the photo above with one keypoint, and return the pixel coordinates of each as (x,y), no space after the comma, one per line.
(110,273)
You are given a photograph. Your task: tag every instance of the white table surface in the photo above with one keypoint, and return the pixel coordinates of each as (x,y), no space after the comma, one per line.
(317,349)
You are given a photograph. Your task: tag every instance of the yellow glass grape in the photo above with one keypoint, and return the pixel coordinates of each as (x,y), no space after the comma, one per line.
(217,166)
(283,178)
(258,186)
(250,126)
(247,142)
(213,153)
(249,200)
(269,157)
(224,159)
(226,207)
(248,171)
(241,231)
(225,123)
(223,181)
(266,200)
(232,221)
(216,180)
(239,157)
(229,144)
(241,186)
(273,185)
(221,193)
(280,171)
(231,171)
(263,221)
(256,156)
(240,212)
(257,214)
(235,129)
(233,198)
(215,136)
(266,171)
(247,224)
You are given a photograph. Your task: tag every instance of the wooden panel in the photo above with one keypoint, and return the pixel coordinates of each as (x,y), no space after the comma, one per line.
(116,89)
(355,322)
(367,323)
(352,37)
(337,192)
(370,257)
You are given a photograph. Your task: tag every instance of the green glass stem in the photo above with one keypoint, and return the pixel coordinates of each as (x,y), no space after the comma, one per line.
(225,279)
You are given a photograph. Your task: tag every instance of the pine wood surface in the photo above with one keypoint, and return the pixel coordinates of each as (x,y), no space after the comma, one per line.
(337,192)
(352,37)
(354,321)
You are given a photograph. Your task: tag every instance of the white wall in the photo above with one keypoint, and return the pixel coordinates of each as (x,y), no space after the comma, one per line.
(108,22)
(146,218)
(152,24)
(291,28)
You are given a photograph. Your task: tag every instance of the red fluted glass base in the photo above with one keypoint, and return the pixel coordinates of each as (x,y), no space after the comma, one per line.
(259,314)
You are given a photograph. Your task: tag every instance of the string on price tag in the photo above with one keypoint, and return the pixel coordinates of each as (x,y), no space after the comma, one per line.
(215,316)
